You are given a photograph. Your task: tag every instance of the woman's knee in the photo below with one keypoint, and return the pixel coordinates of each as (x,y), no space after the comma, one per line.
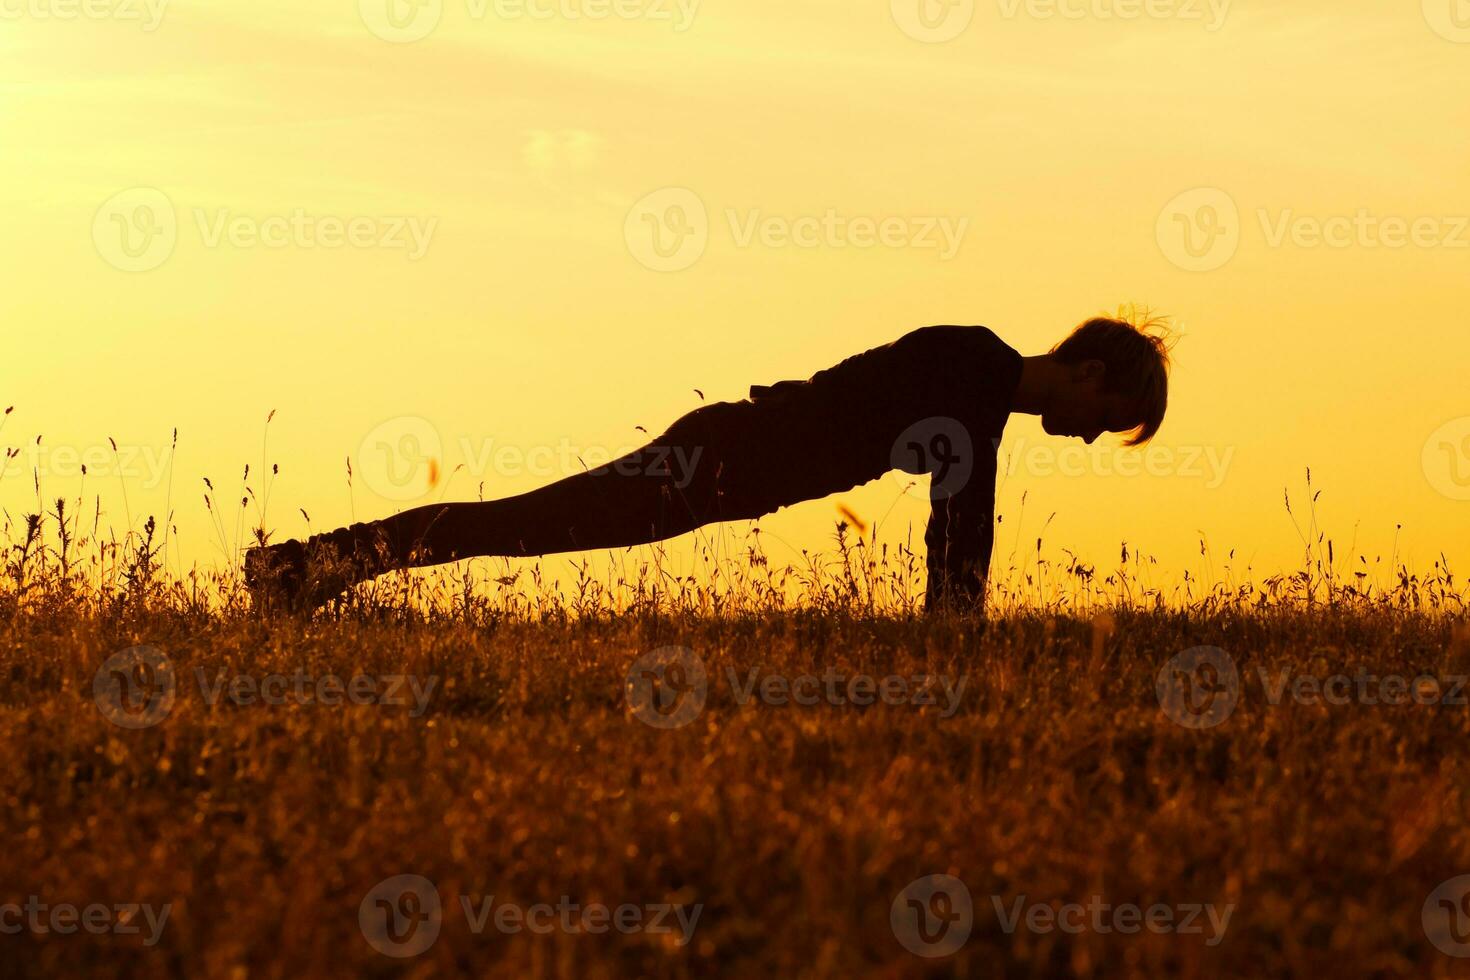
(709,425)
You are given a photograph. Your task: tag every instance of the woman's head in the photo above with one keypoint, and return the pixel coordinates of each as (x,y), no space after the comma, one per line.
(1116,379)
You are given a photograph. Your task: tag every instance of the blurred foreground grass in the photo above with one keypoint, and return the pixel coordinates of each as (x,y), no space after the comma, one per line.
(528,776)
(489,732)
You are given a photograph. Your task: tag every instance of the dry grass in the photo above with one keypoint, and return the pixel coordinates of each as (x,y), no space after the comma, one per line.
(528,777)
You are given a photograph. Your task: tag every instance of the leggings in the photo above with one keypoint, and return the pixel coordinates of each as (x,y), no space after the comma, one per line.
(727,461)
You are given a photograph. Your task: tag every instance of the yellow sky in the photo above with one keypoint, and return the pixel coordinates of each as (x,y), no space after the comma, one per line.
(485,193)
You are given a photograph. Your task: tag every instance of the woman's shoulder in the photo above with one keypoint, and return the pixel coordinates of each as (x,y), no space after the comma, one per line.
(961,339)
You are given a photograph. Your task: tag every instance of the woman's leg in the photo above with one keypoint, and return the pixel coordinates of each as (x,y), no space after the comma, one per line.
(707,467)
(645,496)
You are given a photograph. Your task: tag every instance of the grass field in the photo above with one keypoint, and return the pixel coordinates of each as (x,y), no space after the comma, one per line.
(549,765)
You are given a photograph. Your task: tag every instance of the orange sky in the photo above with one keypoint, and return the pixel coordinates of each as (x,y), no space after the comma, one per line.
(357,215)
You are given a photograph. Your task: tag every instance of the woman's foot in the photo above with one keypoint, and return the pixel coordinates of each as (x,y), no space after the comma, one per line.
(295,575)
(276,574)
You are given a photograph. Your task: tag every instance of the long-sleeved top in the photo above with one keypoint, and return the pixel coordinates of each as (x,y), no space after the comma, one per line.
(934,401)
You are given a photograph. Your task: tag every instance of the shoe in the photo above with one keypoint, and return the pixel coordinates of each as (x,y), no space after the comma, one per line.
(276,575)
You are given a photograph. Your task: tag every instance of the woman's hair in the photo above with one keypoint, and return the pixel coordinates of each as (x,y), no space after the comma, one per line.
(1134,347)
